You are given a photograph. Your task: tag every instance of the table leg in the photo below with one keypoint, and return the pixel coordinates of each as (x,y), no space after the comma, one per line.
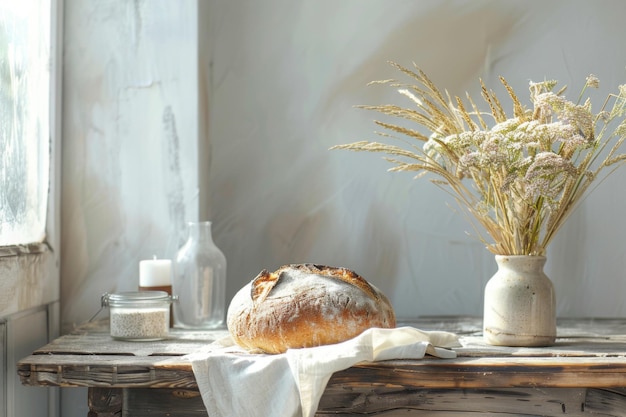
(105,402)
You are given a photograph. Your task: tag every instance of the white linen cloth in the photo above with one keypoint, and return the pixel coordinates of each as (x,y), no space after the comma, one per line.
(233,382)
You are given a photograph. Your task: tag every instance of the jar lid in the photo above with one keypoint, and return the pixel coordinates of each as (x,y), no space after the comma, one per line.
(134,297)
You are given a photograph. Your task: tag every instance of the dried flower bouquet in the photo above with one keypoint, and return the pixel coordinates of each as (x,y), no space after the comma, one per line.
(518,177)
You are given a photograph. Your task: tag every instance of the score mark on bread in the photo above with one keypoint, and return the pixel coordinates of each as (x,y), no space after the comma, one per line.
(305,305)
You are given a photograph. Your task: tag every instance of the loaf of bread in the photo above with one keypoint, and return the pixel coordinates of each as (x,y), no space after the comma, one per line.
(305,305)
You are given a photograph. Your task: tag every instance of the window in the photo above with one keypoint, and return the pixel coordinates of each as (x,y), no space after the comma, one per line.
(29,194)
(25,68)
(29,153)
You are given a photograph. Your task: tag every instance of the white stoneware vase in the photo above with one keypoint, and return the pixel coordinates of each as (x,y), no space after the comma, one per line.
(520,305)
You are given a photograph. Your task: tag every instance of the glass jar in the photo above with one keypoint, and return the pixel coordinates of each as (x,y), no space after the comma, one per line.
(199,280)
(139,315)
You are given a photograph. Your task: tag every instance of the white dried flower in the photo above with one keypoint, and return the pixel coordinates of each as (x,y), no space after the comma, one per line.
(592,81)
(510,172)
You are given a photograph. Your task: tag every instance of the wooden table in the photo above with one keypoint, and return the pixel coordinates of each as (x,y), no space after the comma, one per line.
(583,374)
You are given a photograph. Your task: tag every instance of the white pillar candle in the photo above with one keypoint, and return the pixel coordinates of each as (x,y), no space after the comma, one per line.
(155,273)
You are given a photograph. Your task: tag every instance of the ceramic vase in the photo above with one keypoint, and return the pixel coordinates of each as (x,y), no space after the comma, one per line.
(519,305)
(199,280)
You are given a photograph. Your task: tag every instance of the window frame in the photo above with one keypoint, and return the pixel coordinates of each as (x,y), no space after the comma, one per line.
(30,273)
(34,268)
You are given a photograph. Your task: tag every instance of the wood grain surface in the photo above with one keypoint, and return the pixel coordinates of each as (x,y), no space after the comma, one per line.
(584,373)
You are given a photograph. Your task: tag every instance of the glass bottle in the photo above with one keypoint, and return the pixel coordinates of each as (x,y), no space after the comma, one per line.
(199,280)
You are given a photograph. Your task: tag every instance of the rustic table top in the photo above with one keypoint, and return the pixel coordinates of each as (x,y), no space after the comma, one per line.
(587,353)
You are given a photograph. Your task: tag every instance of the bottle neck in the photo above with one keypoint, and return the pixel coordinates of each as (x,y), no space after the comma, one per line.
(200,231)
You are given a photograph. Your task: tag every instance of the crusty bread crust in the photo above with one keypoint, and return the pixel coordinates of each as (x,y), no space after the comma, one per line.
(305,305)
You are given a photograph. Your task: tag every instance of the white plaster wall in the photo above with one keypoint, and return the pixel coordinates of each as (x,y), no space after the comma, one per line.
(130,119)
(285,77)
(282,79)
(274,84)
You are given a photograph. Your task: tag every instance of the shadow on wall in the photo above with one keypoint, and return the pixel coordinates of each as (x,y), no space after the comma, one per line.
(456,49)
(300,232)
(303,237)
